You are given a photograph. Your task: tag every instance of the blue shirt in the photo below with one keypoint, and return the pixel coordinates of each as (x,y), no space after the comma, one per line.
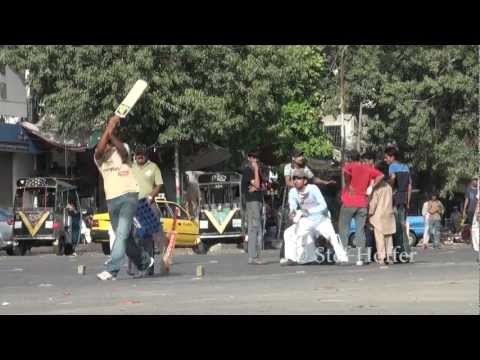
(313,201)
(402,180)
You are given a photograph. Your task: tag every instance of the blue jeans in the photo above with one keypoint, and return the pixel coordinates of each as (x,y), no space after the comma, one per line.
(255,228)
(400,238)
(346,215)
(434,228)
(122,210)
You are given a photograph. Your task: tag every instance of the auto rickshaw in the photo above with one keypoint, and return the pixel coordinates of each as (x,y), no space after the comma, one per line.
(215,202)
(42,217)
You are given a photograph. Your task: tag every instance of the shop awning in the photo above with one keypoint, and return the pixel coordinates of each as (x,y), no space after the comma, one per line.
(14,138)
(50,140)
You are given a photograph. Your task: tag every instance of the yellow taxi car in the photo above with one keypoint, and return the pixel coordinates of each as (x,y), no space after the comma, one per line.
(187,228)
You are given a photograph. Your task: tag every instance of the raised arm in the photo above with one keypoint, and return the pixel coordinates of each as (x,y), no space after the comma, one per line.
(102,144)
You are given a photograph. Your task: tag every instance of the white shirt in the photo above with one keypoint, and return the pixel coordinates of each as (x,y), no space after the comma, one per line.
(287,171)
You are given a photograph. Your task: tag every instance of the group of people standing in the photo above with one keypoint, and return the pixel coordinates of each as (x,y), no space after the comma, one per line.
(376,194)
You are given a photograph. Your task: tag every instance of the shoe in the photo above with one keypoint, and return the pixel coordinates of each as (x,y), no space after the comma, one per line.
(105,275)
(73,254)
(283,261)
(255,262)
(131,272)
(147,270)
(359,263)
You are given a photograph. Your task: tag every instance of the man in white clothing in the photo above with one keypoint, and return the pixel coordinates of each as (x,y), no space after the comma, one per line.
(311,218)
(426,231)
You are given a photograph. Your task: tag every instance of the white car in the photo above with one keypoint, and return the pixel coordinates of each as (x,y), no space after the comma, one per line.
(6,228)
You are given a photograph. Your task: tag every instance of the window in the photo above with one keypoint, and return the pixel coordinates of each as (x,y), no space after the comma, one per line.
(165,211)
(33,198)
(181,214)
(334,133)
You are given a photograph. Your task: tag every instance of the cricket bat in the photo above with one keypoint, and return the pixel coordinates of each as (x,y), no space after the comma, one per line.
(172,238)
(130,100)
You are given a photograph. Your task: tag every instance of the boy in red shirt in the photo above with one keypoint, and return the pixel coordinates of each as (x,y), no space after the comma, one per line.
(358,185)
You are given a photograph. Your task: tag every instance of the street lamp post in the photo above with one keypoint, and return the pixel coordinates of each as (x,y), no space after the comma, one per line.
(369,105)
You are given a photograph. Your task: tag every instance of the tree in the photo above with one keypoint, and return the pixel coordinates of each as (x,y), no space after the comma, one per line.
(427,101)
(230,95)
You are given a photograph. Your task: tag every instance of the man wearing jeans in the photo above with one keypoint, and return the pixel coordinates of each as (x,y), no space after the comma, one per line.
(252,188)
(121,193)
(360,179)
(401,182)
(435,211)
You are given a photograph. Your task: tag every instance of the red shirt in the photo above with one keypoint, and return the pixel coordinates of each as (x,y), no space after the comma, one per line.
(354,193)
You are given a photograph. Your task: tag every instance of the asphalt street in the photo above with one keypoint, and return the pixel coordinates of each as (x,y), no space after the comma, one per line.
(444,281)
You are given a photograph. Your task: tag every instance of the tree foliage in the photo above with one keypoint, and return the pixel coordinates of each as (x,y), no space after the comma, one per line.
(426,97)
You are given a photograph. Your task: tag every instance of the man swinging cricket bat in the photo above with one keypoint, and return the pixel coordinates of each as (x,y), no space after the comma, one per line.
(121,191)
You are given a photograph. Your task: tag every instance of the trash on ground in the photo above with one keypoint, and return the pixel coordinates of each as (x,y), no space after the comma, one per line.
(5,303)
(81,269)
(45,285)
(200,271)
(129,302)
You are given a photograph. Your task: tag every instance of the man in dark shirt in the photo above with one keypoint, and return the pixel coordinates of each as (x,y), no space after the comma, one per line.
(470,202)
(252,188)
(401,182)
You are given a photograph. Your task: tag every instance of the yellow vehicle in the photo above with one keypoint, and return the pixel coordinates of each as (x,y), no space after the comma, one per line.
(187,227)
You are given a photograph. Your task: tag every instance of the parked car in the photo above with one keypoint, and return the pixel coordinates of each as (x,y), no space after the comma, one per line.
(188,234)
(6,229)
(415,227)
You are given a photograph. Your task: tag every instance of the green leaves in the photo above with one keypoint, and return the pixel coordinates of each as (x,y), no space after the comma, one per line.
(271,96)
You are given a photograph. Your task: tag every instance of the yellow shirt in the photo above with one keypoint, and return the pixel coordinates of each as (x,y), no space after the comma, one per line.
(118,178)
(148,176)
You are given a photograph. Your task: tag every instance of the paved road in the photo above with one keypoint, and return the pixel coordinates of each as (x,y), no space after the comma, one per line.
(445,281)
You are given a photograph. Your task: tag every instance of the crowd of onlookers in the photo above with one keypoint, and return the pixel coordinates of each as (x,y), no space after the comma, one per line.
(375,193)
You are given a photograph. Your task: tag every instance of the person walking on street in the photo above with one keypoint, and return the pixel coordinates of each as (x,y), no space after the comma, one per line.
(470,203)
(253,190)
(426,231)
(358,186)
(121,193)
(455,220)
(435,211)
(75,224)
(382,218)
(401,182)
(150,181)
(476,228)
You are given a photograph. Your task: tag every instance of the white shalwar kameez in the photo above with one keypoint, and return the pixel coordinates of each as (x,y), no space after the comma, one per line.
(300,237)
